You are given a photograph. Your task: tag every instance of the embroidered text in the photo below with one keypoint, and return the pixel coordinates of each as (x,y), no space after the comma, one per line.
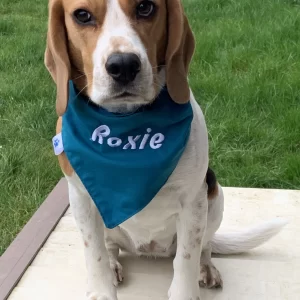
(102,133)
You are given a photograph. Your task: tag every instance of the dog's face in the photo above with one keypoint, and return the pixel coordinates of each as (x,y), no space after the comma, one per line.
(120,53)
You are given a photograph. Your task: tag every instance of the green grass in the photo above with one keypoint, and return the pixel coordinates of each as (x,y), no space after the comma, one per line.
(245,75)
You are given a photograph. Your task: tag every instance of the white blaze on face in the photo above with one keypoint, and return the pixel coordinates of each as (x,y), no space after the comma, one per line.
(118,35)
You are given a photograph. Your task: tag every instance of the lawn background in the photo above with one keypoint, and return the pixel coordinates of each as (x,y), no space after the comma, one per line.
(245,75)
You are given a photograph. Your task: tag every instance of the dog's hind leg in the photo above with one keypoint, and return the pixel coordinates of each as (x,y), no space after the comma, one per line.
(116,239)
(210,277)
(113,254)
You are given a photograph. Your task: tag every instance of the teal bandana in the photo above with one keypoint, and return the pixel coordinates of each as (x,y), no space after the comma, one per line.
(123,160)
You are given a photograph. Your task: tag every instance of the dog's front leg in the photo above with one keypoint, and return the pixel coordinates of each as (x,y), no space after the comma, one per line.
(101,280)
(191,226)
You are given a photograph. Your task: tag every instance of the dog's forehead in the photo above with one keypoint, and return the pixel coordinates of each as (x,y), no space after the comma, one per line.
(106,5)
(95,5)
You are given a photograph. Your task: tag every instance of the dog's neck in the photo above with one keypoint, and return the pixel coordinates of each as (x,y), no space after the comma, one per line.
(122,108)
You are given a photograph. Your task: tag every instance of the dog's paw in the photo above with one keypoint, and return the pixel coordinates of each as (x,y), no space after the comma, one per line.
(97,296)
(118,271)
(181,291)
(210,277)
(102,287)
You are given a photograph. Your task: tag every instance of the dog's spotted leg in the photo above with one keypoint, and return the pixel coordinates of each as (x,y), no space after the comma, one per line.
(101,279)
(191,228)
(210,277)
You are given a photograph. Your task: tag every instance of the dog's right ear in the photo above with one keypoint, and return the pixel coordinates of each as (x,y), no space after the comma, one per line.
(181,46)
(56,54)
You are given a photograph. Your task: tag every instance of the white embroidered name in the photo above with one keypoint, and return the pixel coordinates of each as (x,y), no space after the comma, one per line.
(132,142)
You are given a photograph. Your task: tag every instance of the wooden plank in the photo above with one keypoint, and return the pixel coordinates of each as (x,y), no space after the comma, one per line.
(22,251)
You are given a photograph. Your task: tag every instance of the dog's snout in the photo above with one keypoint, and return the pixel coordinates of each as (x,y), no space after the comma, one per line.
(123,67)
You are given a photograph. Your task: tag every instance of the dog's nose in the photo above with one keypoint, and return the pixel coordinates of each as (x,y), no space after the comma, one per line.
(123,67)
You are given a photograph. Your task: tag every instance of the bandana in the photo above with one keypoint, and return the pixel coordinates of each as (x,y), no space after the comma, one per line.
(123,160)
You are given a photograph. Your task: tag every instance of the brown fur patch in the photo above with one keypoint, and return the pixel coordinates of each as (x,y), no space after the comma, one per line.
(70,46)
(152,32)
(62,158)
(212,184)
(86,244)
(180,49)
(152,246)
(169,42)
(65,165)
(82,41)
(198,241)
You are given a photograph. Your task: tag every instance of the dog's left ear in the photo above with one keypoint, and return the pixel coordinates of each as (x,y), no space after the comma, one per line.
(56,54)
(180,50)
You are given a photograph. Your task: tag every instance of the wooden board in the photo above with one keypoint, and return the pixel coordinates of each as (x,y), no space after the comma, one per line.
(29,241)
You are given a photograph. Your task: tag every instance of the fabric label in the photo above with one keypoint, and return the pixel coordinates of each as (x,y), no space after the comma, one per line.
(58,144)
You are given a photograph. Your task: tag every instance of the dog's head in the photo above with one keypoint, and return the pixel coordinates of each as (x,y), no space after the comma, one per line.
(119,53)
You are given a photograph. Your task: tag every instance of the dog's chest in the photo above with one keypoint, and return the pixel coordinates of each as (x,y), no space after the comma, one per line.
(153,230)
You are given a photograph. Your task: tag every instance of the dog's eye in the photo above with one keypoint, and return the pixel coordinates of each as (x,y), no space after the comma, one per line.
(83,17)
(145,9)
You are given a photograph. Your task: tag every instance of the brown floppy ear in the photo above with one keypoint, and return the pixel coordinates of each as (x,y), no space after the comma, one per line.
(56,54)
(180,50)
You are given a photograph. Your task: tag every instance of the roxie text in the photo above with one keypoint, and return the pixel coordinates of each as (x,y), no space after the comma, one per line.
(102,133)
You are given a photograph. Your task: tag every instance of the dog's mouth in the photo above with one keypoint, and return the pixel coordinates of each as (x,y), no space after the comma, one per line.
(125,95)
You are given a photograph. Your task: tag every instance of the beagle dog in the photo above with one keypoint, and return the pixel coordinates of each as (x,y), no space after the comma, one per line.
(119,54)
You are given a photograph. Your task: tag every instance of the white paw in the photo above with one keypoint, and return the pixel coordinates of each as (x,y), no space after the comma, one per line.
(97,296)
(103,288)
(181,291)
(210,277)
(117,270)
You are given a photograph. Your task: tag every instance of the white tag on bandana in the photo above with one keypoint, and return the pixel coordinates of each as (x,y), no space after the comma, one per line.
(58,144)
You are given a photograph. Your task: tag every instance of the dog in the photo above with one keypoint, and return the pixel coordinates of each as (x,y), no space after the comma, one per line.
(120,54)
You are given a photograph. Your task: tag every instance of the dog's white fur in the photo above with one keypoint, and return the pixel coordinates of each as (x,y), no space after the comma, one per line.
(180,221)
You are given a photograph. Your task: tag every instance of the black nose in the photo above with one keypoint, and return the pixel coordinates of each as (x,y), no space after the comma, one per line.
(123,67)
